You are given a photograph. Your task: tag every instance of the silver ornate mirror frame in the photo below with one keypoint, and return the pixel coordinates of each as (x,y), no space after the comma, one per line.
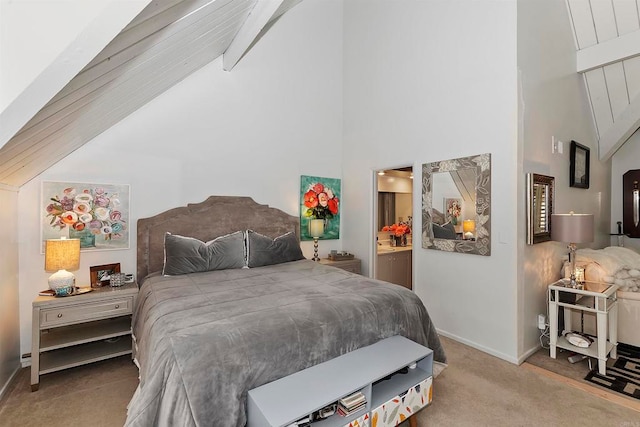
(539,207)
(482,244)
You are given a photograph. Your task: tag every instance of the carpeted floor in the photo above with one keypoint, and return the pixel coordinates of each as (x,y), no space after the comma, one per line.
(475,390)
(621,385)
(92,395)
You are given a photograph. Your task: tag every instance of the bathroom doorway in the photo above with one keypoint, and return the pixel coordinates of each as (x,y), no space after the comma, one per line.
(393,222)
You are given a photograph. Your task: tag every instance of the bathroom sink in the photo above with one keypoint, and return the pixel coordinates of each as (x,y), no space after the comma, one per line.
(386,249)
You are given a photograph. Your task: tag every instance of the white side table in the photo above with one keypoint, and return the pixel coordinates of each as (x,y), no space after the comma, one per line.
(80,329)
(599,298)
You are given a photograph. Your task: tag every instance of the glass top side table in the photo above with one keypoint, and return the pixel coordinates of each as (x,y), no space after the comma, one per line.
(598,298)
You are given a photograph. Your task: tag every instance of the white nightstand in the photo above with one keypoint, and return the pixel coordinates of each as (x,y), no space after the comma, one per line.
(598,298)
(80,329)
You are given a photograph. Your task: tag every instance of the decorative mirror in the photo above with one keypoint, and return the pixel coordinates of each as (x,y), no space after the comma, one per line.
(631,203)
(456,205)
(539,207)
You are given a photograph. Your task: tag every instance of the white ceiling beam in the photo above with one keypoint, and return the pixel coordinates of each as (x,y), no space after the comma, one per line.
(9,187)
(608,52)
(79,53)
(624,126)
(259,17)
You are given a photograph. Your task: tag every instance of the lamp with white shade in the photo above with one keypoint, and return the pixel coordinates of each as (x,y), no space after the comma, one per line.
(316,230)
(469,229)
(61,255)
(572,228)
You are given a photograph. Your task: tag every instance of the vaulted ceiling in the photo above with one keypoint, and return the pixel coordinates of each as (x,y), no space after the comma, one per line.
(170,39)
(162,45)
(607,35)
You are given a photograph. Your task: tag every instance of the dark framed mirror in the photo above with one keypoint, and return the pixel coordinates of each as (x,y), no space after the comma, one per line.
(539,207)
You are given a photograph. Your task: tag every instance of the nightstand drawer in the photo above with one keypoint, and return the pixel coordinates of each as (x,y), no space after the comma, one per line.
(84,312)
(352,268)
(350,265)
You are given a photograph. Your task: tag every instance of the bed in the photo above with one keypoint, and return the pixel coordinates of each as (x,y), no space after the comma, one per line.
(203,339)
(619,266)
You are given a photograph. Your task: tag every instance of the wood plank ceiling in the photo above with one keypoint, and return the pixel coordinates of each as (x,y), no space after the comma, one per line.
(607,35)
(166,42)
(171,39)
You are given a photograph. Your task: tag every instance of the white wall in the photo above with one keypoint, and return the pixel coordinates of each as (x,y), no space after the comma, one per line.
(9,319)
(625,159)
(427,81)
(395,184)
(553,102)
(252,131)
(404,207)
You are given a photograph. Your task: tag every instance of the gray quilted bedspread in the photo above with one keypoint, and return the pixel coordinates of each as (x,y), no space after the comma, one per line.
(205,339)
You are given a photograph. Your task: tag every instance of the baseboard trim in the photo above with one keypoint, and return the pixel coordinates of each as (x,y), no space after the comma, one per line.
(595,391)
(527,354)
(477,346)
(5,388)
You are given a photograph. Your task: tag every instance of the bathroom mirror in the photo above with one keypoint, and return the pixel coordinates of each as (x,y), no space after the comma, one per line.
(539,207)
(456,205)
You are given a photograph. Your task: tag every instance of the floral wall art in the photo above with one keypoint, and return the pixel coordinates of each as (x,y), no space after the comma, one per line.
(320,199)
(97,214)
(453,210)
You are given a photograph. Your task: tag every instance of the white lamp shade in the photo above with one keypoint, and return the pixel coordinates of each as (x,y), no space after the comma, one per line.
(572,228)
(316,227)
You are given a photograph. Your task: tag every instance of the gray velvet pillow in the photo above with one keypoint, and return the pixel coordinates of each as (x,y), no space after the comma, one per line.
(183,255)
(263,250)
(446,231)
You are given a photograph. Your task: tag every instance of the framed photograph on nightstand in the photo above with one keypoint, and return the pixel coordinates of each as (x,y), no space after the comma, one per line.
(100,274)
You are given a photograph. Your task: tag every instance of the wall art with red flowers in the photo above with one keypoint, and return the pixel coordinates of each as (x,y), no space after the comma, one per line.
(97,214)
(320,199)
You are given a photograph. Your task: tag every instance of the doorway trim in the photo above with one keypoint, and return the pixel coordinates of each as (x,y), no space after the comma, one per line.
(373,245)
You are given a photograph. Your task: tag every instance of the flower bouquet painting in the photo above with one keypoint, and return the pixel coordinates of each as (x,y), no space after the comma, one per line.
(453,210)
(320,199)
(97,214)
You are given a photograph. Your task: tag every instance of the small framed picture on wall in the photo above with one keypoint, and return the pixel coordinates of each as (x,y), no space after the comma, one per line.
(579,166)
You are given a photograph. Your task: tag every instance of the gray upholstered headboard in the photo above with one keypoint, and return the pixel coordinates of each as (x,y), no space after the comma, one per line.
(216,216)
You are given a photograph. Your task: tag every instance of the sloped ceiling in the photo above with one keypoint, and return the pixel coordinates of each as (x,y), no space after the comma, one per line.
(607,35)
(171,39)
(166,42)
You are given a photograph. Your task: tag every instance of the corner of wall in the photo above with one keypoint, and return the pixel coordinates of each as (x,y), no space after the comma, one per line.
(9,303)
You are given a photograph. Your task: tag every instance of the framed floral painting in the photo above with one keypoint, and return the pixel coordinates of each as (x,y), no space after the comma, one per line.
(452,210)
(97,214)
(320,199)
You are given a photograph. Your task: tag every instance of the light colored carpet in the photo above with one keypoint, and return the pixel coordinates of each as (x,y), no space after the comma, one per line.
(575,373)
(475,390)
(92,395)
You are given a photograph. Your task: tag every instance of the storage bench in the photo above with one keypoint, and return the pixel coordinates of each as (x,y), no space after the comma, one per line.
(392,373)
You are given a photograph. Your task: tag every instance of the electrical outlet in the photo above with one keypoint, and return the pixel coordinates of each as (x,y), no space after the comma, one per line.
(542,322)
